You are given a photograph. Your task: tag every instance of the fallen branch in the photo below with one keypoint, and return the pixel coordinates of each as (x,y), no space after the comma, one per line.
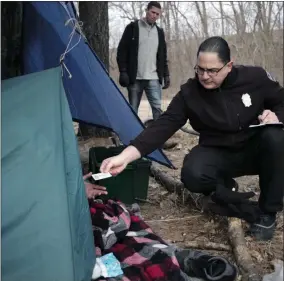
(166,180)
(169,144)
(172,185)
(243,257)
(207,246)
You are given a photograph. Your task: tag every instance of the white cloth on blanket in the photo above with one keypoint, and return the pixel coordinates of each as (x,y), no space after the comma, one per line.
(97,272)
(107,266)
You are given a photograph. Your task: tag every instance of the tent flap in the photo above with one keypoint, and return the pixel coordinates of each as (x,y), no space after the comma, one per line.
(46,226)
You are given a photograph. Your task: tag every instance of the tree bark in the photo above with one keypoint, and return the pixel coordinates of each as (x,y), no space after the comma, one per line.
(94,16)
(11,38)
(166,180)
(222,18)
(176,21)
(203,18)
(243,257)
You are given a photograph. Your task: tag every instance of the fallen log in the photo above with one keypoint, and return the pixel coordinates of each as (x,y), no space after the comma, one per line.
(235,230)
(243,257)
(169,144)
(171,184)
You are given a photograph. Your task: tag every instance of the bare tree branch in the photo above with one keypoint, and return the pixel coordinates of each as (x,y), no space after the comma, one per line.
(203,17)
(277,16)
(186,20)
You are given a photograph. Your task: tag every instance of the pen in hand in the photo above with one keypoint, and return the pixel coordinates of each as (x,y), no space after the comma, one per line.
(267,117)
(262,116)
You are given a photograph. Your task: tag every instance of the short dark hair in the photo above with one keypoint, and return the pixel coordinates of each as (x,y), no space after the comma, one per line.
(216,44)
(153,4)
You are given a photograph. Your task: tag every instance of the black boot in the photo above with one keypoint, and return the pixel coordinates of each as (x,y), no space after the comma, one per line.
(264,227)
(200,265)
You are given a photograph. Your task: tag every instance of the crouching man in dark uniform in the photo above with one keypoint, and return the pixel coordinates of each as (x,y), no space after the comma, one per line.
(221,102)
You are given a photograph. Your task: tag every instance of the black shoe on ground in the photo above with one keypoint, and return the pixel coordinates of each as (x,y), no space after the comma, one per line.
(206,267)
(263,229)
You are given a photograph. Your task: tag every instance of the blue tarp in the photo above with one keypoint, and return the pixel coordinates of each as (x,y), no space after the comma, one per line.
(92,95)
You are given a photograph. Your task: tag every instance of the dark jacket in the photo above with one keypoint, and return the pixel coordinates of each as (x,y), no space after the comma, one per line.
(219,115)
(127,53)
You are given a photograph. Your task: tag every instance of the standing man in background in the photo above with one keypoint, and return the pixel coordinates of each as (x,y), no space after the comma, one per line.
(142,60)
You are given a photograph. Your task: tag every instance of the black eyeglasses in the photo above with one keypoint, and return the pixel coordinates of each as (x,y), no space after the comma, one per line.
(211,72)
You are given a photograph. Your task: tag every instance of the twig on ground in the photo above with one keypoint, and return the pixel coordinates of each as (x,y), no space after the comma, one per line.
(207,246)
(175,219)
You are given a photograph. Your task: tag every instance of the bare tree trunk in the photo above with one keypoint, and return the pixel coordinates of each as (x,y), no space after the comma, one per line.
(237,19)
(203,17)
(277,17)
(243,23)
(222,18)
(133,10)
(167,21)
(176,21)
(187,21)
(11,38)
(94,16)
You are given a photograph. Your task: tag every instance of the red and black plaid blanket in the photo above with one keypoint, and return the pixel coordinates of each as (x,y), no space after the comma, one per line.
(143,255)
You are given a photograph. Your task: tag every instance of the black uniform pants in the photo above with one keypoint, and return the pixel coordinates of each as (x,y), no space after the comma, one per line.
(204,168)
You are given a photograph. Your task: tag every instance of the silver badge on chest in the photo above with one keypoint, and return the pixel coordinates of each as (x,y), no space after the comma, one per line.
(246,100)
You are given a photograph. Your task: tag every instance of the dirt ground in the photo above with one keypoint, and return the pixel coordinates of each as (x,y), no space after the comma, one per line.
(180,222)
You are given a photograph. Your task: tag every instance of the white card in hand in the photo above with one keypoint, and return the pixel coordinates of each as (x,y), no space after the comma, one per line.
(267,124)
(101,176)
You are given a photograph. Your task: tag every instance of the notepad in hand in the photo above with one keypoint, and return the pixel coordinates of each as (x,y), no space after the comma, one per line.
(101,176)
(267,124)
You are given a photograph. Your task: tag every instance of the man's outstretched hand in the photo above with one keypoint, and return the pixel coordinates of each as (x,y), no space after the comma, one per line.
(93,190)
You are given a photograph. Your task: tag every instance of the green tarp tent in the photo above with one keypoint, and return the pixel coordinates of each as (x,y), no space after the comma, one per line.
(46,226)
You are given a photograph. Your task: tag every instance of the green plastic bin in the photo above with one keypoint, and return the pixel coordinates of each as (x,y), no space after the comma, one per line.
(130,185)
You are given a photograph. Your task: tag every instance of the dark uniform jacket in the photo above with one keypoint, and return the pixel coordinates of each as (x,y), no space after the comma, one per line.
(222,116)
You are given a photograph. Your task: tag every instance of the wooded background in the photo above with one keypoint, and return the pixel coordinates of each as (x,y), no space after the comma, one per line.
(254,31)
